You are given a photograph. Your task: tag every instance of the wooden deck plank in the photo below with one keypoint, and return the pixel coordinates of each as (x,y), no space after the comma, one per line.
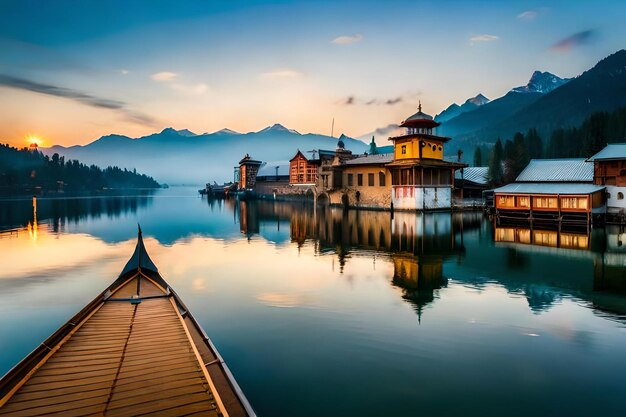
(158,405)
(127,359)
(35,395)
(52,408)
(24,403)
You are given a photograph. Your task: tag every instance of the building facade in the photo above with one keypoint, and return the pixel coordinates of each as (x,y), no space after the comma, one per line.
(420,178)
(560,190)
(610,171)
(248,169)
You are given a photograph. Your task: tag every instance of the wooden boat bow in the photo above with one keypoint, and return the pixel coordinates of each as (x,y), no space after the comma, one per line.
(134,350)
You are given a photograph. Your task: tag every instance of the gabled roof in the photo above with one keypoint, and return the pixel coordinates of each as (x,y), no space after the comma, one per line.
(296,155)
(477,175)
(557,170)
(612,151)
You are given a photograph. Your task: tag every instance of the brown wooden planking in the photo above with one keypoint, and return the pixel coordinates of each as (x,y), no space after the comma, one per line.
(159,405)
(158,371)
(35,395)
(24,403)
(144,388)
(52,408)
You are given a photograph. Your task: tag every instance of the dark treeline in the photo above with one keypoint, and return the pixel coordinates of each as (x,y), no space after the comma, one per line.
(24,170)
(507,159)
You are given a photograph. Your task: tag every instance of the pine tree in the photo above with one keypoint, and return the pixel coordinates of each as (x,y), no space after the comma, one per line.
(478,158)
(495,163)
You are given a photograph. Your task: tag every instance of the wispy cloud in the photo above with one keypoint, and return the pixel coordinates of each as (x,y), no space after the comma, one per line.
(123,71)
(191,89)
(164,76)
(527,15)
(281,73)
(350,100)
(484,38)
(78,96)
(347,39)
(392,101)
(573,41)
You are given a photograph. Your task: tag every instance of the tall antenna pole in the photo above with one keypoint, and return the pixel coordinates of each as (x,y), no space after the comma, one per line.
(332,129)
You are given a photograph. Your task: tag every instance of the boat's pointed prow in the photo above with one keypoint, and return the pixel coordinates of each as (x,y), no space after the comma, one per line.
(140,258)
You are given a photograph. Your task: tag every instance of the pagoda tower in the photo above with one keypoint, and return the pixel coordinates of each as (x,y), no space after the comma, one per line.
(421,178)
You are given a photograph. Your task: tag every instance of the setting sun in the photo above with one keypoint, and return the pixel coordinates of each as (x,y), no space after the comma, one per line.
(34,140)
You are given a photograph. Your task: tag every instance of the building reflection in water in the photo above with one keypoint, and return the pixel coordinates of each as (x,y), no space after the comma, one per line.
(417,245)
(542,265)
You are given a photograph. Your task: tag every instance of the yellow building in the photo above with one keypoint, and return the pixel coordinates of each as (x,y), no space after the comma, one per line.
(421,178)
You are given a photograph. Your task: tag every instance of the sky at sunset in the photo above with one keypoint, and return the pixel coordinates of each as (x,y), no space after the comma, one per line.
(71,71)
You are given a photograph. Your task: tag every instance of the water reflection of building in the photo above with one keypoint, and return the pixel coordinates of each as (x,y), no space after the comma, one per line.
(551,238)
(543,266)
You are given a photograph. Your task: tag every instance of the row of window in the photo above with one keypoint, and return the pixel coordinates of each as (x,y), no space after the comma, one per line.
(370,180)
(427,176)
(543,202)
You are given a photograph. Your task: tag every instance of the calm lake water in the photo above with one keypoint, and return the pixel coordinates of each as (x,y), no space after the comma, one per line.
(345,314)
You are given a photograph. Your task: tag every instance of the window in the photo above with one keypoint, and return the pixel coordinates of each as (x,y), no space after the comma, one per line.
(445,177)
(381,179)
(506,201)
(350,180)
(620,196)
(574,202)
(403,149)
(545,202)
(523,201)
(359,180)
(370,180)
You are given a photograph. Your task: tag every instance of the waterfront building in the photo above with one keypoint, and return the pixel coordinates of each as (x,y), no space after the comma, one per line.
(248,169)
(302,171)
(421,178)
(471,181)
(366,182)
(610,171)
(559,190)
(272,177)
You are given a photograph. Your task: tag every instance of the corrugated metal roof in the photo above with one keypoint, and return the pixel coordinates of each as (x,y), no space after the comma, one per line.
(557,170)
(477,175)
(383,158)
(269,169)
(612,151)
(548,188)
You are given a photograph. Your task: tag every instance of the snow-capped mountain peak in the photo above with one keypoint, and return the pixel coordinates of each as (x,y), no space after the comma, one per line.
(455,110)
(186,132)
(278,128)
(182,132)
(479,100)
(541,82)
(226,131)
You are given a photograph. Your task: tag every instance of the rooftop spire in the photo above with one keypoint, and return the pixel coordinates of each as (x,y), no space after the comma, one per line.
(419,107)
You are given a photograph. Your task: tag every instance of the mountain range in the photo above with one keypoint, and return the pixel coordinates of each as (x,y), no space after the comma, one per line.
(183,157)
(546,103)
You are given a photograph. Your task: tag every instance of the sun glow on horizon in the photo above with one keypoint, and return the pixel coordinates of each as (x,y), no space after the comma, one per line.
(34,139)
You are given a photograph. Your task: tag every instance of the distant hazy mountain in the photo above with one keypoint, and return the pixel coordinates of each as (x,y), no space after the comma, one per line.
(454,109)
(180,156)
